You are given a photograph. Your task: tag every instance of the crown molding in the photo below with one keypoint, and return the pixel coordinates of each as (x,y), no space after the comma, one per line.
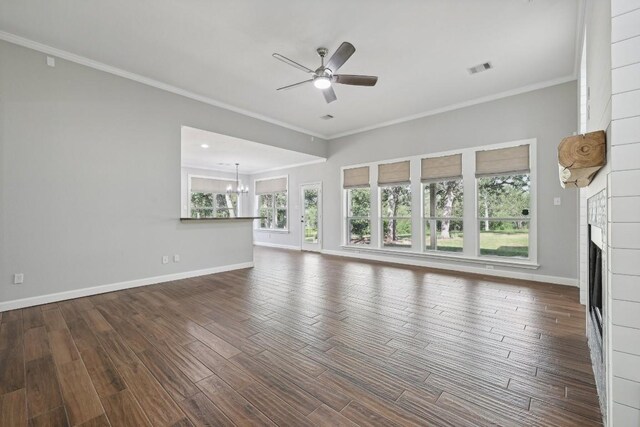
(72,57)
(49,50)
(476,101)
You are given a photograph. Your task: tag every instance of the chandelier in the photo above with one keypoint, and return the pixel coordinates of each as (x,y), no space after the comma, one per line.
(239,189)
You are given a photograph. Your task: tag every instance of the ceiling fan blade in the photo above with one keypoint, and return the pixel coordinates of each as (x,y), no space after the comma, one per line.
(350,79)
(294,85)
(292,63)
(340,56)
(329,95)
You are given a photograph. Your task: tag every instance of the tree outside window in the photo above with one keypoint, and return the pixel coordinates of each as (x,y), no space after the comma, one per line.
(396,213)
(359,216)
(443,210)
(503,213)
(272,209)
(214,205)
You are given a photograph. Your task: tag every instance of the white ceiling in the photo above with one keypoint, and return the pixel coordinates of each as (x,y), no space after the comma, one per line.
(420,49)
(224,151)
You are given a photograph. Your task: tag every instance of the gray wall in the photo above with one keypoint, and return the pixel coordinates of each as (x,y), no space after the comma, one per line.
(547,114)
(90,177)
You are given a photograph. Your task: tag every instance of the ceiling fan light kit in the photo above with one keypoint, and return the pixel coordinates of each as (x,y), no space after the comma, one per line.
(324,76)
(322,82)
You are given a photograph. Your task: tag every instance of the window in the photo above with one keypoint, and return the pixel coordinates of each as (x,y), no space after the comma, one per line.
(443,214)
(396,216)
(355,182)
(208,199)
(504,200)
(394,180)
(213,205)
(272,203)
(359,216)
(484,212)
(442,198)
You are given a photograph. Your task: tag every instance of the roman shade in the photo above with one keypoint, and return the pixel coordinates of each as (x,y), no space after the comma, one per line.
(356,177)
(503,161)
(394,173)
(209,185)
(275,185)
(442,168)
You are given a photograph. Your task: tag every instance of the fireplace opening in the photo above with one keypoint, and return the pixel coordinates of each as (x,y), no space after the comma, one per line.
(595,279)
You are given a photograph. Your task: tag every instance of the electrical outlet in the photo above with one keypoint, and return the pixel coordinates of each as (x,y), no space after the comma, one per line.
(51,61)
(165,259)
(489,267)
(557,201)
(18,278)
(176,258)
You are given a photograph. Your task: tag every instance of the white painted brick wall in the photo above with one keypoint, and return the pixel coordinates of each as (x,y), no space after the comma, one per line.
(625,26)
(625,235)
(625,52)
(624,218)
(624,209)
(625,131)
(618,7)
(625,287)
(625,78)
(625,313)
(629,392)
(624,416)
(626,104)
(626,340)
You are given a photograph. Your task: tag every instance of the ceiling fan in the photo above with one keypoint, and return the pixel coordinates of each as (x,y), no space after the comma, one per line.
(324,76)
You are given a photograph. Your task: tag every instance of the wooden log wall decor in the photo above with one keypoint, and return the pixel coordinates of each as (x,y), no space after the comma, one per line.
(580,157)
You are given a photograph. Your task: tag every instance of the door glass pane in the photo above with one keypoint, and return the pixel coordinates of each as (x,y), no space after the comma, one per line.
(311,215)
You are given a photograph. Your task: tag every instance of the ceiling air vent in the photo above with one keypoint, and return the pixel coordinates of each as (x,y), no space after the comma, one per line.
(327,117)
(480,68)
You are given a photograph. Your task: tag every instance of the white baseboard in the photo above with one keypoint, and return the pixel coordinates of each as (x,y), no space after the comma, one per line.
(277,245)
(463,268)
(78,293)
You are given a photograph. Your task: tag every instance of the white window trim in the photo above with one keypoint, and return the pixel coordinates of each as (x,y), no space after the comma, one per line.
(257,209)
(189,176)
(471,249)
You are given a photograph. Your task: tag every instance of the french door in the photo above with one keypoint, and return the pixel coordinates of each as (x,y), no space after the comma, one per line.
(311,217)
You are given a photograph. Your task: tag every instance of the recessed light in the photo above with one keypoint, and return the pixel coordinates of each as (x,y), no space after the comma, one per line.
(204,145)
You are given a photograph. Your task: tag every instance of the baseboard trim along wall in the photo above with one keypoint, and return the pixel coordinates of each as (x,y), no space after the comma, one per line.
(463,268)
(277,245)
(95,290)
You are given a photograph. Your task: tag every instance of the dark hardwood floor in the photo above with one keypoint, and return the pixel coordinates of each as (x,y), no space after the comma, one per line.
(303,339)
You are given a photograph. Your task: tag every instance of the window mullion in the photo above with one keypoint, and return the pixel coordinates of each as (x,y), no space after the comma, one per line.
(469,207)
